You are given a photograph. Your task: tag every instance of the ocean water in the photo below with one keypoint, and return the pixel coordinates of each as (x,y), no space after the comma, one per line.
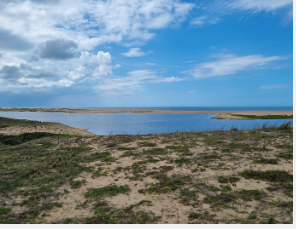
(132,123)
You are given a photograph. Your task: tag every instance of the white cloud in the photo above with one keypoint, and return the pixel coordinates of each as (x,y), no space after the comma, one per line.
(90,67)
(255,6)
(125,85)
(99,64)
(116,66)
(17,75)
(60,36)
(150,64)
(132,82)
(222,7)
(276,86)
(90,23)
(204,20)
(134,52)
(230,64)
(42,83)
(260,5)
(28,85)
(191,91)
(168,80)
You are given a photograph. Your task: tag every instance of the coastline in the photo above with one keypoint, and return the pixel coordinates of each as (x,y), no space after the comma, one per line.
(220,114)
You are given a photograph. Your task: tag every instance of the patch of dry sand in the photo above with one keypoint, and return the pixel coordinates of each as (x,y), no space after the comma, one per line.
(54,129)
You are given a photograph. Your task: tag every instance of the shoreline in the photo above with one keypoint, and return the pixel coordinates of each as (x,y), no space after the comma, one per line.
(220,114)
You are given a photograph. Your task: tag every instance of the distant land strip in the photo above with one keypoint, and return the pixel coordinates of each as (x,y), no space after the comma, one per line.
(234,115)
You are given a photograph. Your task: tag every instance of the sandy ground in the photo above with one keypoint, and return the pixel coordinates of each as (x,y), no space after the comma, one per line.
(55,128)
(169,205)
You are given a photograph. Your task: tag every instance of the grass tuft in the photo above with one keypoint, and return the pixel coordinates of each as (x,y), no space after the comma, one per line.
(270,175)
(272,161)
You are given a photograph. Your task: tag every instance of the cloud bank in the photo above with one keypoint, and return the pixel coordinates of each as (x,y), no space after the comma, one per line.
(90,23)
(53,43)
(18,76)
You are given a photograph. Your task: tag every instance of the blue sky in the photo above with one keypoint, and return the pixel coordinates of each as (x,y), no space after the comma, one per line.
(119,53)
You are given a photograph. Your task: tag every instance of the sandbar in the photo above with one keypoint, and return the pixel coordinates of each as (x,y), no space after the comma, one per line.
(220,114)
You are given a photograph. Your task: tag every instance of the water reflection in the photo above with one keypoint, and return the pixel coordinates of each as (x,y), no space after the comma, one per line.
(134,123)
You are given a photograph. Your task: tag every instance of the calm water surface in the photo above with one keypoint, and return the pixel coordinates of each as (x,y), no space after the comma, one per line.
(194,108)
(131,123)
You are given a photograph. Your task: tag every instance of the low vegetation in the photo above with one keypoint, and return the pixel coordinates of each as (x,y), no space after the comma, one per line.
(183,177)
(264,116)
(107,191)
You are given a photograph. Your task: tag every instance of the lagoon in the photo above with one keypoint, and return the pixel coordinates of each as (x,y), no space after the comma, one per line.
(138,123)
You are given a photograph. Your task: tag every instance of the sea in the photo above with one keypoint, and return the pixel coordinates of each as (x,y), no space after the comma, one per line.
(142,123)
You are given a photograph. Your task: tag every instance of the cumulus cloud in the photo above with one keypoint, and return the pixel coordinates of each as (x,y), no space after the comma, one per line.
(134,52)
(9,73)
(276,86)
(17,75)
(230,64)
(13,73)
(53,30)
(59,49)
(13,42)
(20,78)
(92,67)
